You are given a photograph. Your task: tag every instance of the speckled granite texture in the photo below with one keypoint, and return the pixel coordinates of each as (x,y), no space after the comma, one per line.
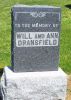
(34,30)
(34,85)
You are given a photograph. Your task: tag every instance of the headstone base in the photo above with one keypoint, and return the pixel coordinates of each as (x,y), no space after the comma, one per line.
(49,85)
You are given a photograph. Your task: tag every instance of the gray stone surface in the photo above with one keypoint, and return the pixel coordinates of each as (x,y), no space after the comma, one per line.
(0,92)
(49,85)
(35,38)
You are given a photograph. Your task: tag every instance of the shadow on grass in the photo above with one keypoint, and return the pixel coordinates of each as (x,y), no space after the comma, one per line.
(1,72)
(68,6)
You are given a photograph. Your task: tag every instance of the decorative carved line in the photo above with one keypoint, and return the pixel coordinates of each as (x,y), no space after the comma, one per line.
(38,14)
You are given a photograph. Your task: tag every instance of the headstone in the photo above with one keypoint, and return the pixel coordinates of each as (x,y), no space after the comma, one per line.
(35,38)
(35,47)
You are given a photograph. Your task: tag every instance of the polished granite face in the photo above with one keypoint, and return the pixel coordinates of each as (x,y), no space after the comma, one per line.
(35,38)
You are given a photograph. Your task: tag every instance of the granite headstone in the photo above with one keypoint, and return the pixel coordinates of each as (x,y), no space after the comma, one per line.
(35,38)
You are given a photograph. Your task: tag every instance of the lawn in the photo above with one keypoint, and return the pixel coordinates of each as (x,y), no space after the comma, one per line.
(5,30)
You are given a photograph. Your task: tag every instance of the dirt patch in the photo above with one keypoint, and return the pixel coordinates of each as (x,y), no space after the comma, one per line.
(69,88)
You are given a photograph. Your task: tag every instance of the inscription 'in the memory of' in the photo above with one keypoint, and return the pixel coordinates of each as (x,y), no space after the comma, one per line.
(19,25)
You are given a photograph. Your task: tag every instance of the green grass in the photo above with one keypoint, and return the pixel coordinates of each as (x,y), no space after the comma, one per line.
(5,30)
